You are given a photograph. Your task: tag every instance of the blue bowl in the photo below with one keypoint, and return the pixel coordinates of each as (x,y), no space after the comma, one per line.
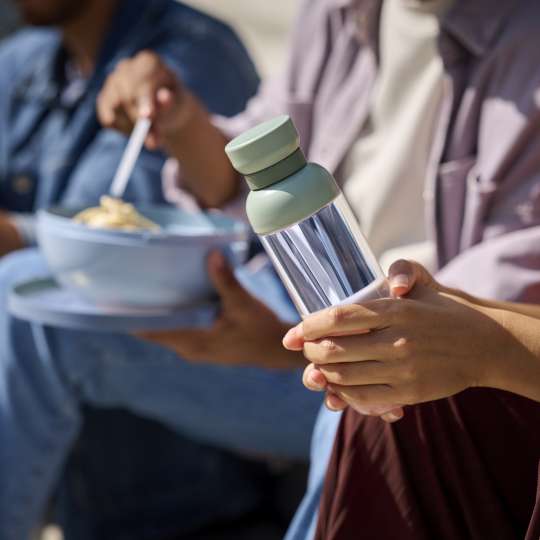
(142,268)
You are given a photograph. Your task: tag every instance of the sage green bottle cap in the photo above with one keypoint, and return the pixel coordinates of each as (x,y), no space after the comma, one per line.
(284,188)
(267,153)
(292,200)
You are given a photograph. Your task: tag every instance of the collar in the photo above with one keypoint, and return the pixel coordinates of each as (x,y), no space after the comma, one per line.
(43,79)
(39,80)
(475,24)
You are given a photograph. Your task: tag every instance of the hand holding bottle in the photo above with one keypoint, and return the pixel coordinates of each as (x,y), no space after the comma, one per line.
(430,345)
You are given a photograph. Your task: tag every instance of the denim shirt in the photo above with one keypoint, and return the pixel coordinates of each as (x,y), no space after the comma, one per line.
(52,148)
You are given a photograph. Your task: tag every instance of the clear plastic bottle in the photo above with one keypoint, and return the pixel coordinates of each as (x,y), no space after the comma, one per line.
(303,220)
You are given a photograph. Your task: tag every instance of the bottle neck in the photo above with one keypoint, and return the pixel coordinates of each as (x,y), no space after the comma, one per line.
(281,170)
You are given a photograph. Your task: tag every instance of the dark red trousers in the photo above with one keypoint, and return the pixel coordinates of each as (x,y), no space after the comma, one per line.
(464,468)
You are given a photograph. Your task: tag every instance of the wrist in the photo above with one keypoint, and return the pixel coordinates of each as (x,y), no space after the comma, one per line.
(513,362)
(187,115)
(199,146)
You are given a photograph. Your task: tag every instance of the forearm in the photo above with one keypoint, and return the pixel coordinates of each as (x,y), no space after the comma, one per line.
(529,310)
(199,147)
(517,367)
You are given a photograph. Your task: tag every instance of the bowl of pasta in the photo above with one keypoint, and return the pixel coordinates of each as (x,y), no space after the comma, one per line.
(149,256)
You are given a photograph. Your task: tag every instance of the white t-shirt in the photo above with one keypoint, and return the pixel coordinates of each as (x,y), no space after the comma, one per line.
(385,171)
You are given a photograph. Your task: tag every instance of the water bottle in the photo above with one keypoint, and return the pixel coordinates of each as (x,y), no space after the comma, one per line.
(303,220)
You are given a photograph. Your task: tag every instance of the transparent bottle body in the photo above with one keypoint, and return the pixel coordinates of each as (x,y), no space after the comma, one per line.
(325,260)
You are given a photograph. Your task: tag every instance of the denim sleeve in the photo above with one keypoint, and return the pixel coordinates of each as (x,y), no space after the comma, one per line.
(213,64)
(95,170)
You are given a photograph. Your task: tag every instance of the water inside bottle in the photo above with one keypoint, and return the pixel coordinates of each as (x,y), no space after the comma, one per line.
(325,260)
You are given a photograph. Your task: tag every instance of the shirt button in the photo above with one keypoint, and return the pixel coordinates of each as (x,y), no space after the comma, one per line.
(22,185)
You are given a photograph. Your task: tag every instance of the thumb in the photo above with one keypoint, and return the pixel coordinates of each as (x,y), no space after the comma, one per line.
(227,286)
(165,97)
(403,275)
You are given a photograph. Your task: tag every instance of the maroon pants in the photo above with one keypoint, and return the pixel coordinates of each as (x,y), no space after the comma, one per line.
(464,468)
(534,526)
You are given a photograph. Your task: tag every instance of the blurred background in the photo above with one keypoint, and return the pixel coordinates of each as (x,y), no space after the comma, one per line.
(264,28)
(8,18)
(262,25)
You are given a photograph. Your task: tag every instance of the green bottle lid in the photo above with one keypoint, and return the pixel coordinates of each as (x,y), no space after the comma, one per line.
(284,188)
(267,153)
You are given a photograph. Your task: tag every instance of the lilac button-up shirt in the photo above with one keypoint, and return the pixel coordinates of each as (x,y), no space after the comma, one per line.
(482,195)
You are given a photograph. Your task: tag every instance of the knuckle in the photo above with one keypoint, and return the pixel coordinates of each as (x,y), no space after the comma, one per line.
(409,372)
(336,315)
(150,61)
(404,347)
(147,55)
(337,377)
(400,266)
(325,350)
(123,65)
(361,401)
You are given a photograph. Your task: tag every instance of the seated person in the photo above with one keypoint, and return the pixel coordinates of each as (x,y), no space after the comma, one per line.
(440,136)
(52,149)
(436,345)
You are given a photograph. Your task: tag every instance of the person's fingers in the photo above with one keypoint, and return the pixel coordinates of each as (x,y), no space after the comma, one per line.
(232,294)
(145,106)
(109,107)
(374,400)
(403,275)
(122,122)
(165,97)
(343,320)
(130,92)
(114,112)
(355,374)
(293,339)
(376,345)
(313,379)
(189,344)
(334,402)
(388,413)
(152,141)
(104,105)
(394,415)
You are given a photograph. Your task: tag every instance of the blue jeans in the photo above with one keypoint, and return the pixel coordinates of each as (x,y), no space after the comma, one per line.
(304,522)
(46,374)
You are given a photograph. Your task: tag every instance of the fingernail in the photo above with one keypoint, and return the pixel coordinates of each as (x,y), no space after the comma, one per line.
(317,380)
(330,404)
(289,336)
(393,417)
(291,333)
(401,280)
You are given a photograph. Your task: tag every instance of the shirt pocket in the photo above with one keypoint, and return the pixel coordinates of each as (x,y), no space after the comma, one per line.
(453,179)
(478,197)
(301,111)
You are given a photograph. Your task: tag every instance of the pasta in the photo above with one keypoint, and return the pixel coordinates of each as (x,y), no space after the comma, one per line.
(115,214)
